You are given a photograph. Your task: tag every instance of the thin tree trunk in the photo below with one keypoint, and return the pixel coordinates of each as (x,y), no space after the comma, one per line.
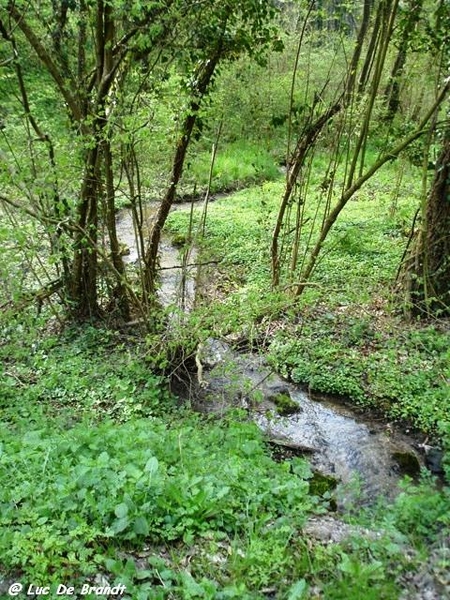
(120,292)
(309,137)
(392,93)
(58,205)
(371,51)
(205,75)
(304,144)
(350,191)
(426,274)
(350,85)
(83,290)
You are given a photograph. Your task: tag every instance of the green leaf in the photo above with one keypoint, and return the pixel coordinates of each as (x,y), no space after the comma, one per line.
(145,574)
(103,459)
(133,471)
(120,525)
(121,510)
(190,586)
(151,465)
(42,520)
(298,590)
(141,526)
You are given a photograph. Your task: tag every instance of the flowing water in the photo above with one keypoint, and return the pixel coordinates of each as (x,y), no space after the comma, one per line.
(176,282)
(358,451)
(364,456)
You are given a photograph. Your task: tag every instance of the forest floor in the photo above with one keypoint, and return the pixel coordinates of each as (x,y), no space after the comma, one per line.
(106,480)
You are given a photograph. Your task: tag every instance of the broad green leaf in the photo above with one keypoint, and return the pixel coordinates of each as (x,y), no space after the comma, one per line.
(120,525)
(152,465)
(121,510)
(141,526)
(298,590)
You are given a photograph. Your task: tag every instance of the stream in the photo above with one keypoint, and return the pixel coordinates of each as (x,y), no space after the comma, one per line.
(364,456)
(367,457)
(176,284)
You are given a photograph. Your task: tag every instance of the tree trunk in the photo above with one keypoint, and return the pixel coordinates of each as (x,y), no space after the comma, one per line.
(392,93)
(350,84)
(205,74)
(426,275)
(304,145)
(349,192)
(371,51)
(83,289)
(120,294)
(306,142)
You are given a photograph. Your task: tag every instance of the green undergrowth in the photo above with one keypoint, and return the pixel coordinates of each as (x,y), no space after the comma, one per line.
(346,335)
(236,164)
(93,372)
(403,372)
(103,477)
(79,496)
(190,510)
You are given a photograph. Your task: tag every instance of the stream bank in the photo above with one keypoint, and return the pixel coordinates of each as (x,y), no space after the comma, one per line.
(365,457)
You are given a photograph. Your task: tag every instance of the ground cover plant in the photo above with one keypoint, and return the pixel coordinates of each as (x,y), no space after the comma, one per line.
(173,506)
(347,334)
(98,457)
(106,477)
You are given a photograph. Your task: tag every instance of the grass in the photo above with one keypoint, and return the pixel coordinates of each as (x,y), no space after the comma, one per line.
(237,164)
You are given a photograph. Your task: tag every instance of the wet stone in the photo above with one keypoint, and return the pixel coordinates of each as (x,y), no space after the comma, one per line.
(407,462)
(284,404)
(434,461)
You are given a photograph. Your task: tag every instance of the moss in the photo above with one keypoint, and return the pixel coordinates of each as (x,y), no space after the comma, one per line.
(407,462)
(179,240)
(284,404)
(321,484)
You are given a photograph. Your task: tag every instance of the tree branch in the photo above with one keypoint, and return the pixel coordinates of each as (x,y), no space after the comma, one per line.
(47,60)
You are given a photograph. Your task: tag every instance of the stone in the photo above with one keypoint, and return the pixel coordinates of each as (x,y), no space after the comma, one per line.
(214,352)
(329,530)
(407,462)
(284,404)
(434,461)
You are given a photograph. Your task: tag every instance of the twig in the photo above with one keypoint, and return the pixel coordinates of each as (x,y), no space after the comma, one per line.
(210,262)
(38,296)
(13,376)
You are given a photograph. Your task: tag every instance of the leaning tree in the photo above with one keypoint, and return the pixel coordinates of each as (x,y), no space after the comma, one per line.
(350,119)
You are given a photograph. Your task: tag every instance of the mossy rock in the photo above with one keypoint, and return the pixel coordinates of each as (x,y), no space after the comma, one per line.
(284,404)
(321,484)
(178,241)
(434,461)
(408,463)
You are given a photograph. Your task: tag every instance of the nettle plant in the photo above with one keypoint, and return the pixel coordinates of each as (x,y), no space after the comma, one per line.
(70,498)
